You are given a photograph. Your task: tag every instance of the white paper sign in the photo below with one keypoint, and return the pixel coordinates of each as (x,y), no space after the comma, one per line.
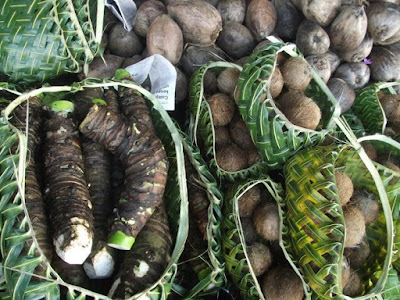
(124,10)
(162,75)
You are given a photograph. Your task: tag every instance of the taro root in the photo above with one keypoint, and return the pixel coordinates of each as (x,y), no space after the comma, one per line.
(354,286)
(240,134)
(349,27)
(383,22)
(385,65)
(359,53)
(300,110)
(311,38)
(320,11)
(266,221)
(391,106)
(182,84)
(232,10)
(236,40)
(276,84)
(260,258)
(231,158)
(227,80)
(354,225)
(368,205)
(345,187)
(288,19)
(261,18)
(195,56)
(222,108)
(122,42)
(344,94)
(199,21)
(248,201)
(321,65)
(296,73)
(282,283)
(222,136)
(146,14)
(104,67)
(165,37)
(356,74)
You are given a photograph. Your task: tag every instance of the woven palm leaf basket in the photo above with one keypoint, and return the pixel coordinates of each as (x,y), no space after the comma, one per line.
(43,39)
(314,231)
(26,271)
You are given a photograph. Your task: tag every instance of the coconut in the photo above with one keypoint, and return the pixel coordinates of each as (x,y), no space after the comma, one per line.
(385,65)
(280,59)
(343,93)
(345,187)
(368,205)
(146,14)
(288,19)
(227,80)
(165,37)
(266,221)
(359,53)
(104,67)
(260,18)
(240,134)
(282,283)
(391,106)
(354,225)
(236,40)
(321,65)
(333,58)
(231,158)
(221,135)
(370,150)
(199,21)
(260,258)
(122,42)
(311,38)
(356,74)
(358,255)
(276,84)
(249,233)
(195,56)
(253,156)
(354,286)
(222,108)
(210,82)
(296,72)
(300,110)
(383,22)
(320,11)
(232,10)
(345,271)
(248,201)
(349,27)
(182,84)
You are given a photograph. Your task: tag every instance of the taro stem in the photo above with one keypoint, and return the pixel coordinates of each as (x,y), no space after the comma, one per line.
(146,167)
(66,190)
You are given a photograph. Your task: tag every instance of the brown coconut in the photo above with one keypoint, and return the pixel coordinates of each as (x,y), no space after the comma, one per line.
(260,18)
(266,221)
(296,72)
(232,10)
(249,233)
(368,205)
(345,187)
(227,80)
(248,201)
(354,225)
(221,135)
(146,14)
(311,38)
(222,108)
(276,85)
(122,42)
(231,158)
(260,258)
(354,286)
(240,134)
(320,11)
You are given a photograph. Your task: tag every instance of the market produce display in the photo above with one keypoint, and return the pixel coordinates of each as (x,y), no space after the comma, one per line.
(268,168)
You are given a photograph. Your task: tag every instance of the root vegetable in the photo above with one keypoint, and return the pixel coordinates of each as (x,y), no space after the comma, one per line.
(122,42)
(199,21)
(231,158)
(343,93)
(282,283)
(146,14)
(232,10)
(165,37)
(368,205)
(248,201)
(356,74)
(383,22)
(236,40)
(260,258)
(349,27)
(227,80)
(345,187)
(260,18)
(266,221)
(105,67)
(354,225)
(311,38)
(146,261)
(144,160)
(83,101)
(321,65)
(321,11)
(222,108)
(66,190)
(296,73)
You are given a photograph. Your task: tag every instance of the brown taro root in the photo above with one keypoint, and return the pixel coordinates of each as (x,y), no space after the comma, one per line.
(349,27)
(320,11)
(200,21)
(146,261)
(146,14)
(144,160)
(33,196)
(66,190)
(345,187)
(222,108)
(266,221)
(165,37)
(231,158)
(122,42)
(260,258)
(296,72)
(354,225)
(232,10)
(311,38)
(282,283)
(248,201)
(260,18)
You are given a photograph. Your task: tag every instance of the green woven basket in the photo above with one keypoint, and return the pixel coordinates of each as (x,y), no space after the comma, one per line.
(201,127)
(313,219)
(17,264)
(42,39)
(275,136)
